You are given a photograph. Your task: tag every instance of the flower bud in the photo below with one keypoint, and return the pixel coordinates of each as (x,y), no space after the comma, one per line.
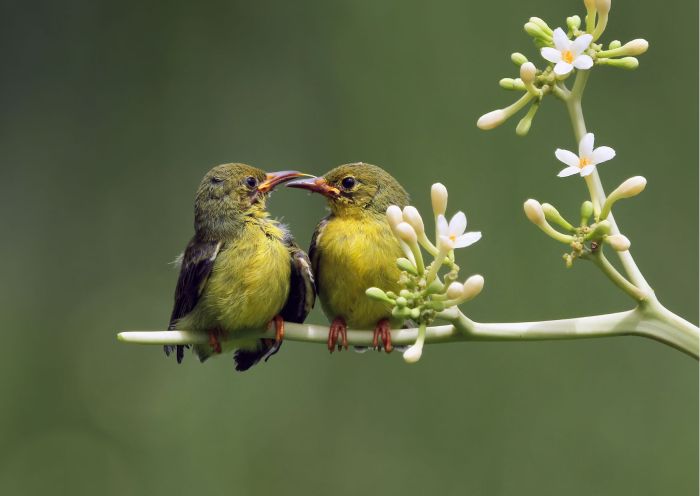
(413,354)
(491,120)
(614,44)
(394,216)
(455,290)
(406,233)
(553,215)
(629,63)
(518,58)
(542,25)
(635,47)
(415,313)
(534,212)
(528,72)
(602,6)
(407,265)
(472,287)
(438,196)
(573,22)
(630,187)
(378,294)
(524,124)
(618,242)
(512,84)
(586,212)
(401,301)
(412,216)
(537,32)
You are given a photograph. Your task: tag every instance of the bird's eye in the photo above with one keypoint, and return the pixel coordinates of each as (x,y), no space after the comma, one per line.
(348,182)
(217,180)
(251,182)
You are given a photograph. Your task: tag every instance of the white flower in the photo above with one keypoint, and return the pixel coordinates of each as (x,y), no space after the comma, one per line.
(587,157)
(452,235)
(568,54)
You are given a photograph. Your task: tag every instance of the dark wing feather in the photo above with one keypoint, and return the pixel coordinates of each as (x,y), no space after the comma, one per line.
(197,263)
(302,294)
(314,253)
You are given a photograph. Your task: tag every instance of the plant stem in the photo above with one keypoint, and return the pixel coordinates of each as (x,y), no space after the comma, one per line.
(650,321)
(618,279)
(595,186)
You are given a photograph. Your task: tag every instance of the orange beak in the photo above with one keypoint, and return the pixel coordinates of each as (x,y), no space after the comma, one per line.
(317,185)
(272,179)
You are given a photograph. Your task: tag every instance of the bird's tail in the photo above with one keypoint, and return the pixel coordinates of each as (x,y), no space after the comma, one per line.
(245,358)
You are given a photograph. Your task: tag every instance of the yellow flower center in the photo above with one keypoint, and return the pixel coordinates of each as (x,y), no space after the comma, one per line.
(453,237)
(583,162)
(567,56)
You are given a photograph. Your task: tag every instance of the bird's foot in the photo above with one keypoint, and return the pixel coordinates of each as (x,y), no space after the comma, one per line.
(338,331)
(279,328)
(214,341)
(383,331)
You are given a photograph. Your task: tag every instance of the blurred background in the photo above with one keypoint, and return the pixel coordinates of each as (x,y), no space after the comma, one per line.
(113,111)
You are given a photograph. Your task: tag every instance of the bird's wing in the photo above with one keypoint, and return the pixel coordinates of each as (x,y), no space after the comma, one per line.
(197,263)
(314,253)
(302,294)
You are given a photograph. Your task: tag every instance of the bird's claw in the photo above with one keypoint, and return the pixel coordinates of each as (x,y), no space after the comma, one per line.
(338,329)
(214,341)
(383,330)
(279,328)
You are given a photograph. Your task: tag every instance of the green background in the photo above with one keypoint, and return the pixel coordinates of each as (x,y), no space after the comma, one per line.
(113,111)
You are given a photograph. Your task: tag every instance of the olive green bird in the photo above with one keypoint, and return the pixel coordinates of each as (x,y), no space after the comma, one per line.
(242,269)
(353,249)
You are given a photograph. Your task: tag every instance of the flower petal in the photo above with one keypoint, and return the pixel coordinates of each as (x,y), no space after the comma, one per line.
(562,68)
(602,154)
(585,147)
(561,41)
(467,239)
(442,227)
(569,171)
(445,243)
(587,170)
(458,223)
(581,43)
(551,54)
(569,158)
(583,62)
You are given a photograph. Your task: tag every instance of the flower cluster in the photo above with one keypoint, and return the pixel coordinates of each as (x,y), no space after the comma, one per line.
(425,292)
(565,51)
(594,229)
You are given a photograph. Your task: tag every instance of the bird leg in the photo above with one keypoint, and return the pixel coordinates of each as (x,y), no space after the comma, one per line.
(214,340)
(338,329)
(279,328)
(383,330)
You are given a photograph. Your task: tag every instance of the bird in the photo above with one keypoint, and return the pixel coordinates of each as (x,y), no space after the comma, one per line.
(353,249)
(242,269)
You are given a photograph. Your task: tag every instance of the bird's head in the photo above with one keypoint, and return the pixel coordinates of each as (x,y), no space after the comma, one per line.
(356,189)
(230,192)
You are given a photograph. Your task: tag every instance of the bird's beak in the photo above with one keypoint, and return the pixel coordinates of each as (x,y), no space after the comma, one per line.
(272,179)
(317,185)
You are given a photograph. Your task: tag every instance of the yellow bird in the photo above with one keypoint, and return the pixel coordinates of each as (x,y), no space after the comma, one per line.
(242,269)
(353,249)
